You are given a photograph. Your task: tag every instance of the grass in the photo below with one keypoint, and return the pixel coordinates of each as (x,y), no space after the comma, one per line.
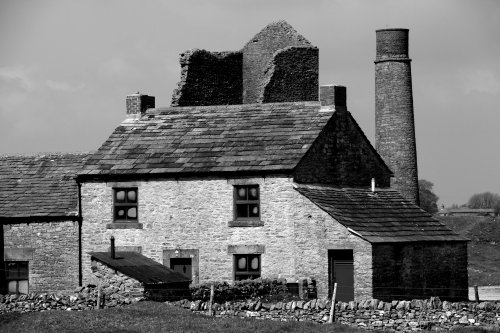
(484,253)
(150,317)
(158,317)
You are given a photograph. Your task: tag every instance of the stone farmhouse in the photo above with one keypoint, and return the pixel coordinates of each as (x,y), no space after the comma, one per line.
(253,171)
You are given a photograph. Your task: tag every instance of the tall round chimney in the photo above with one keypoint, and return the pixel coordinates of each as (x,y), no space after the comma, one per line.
(394,122)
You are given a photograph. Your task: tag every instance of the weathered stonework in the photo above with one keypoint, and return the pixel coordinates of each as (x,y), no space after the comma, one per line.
(194,214)
(424,269)
(394,120)
(342,156)
(292,76)
(51,250)
(209,78)
(113,282)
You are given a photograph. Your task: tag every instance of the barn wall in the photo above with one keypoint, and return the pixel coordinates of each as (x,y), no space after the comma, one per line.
(419,270)
(51,249)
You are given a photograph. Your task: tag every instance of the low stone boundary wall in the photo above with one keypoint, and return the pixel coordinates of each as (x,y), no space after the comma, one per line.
(370,314)
(84,298)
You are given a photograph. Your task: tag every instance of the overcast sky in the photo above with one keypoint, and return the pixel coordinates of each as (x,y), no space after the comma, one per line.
(66,67)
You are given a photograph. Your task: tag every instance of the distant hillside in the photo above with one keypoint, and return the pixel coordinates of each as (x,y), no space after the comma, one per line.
(484,248)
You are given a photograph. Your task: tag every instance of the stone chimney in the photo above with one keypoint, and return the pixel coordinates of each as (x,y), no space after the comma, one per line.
(394,121)
(333,98)
(137,104)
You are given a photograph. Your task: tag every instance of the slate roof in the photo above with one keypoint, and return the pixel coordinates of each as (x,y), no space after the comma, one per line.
(378,218)
(210,139)
(39,185)
(140,267)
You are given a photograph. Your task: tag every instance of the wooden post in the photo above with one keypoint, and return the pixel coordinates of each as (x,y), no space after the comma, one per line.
(210,305)
(98,301)
(476,293)
(332,308)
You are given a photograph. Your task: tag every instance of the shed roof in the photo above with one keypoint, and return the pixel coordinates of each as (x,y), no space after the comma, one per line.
(140,267)
(380,217)
(39,186)
(210,139)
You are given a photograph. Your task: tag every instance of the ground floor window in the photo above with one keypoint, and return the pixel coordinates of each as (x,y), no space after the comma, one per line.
(16,275)
(246,266)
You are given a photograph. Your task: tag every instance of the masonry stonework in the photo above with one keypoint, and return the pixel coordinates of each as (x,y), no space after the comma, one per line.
(424,269)
(196,214)
(209,78)
(342,155)
(51,250)
(394,119)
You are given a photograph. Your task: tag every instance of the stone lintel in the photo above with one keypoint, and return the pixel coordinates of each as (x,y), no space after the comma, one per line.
(246,249)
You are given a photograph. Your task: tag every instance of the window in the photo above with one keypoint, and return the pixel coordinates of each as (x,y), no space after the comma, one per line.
(246,266)
(246,202)
(16,275)
(125,204)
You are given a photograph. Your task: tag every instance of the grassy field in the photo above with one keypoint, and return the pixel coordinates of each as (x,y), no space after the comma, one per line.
(484,248)
(149,317)
(158,317)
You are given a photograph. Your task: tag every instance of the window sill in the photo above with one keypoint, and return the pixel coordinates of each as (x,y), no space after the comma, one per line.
(245,223)
(124,225)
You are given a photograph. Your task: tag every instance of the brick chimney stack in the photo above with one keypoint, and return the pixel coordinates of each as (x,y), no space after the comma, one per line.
(394,120)
(333,98)
(137,104)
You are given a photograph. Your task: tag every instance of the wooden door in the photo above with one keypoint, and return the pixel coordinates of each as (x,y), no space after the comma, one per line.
(341,271)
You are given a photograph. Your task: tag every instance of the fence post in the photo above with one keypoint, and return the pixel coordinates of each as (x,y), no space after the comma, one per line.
(210,305)
(476,293)
(332,308)
(98,300)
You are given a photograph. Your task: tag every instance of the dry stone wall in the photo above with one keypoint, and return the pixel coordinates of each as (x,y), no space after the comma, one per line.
(191,214)
(429,314)
(51,249)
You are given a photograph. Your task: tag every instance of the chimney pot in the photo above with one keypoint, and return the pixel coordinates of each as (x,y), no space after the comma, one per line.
(137,104)
(333,98)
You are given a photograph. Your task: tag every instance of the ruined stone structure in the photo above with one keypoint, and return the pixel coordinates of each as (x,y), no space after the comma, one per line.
(394,121)
(276,65)
(251,174)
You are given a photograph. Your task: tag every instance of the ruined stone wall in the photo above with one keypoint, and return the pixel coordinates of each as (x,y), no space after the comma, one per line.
(343,156)
(258,56)
(190,214)
(209,78)
(292,76)
(51,249)
(411,270)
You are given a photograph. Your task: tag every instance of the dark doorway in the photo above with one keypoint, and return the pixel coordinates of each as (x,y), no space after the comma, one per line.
(341,270)
(183,266)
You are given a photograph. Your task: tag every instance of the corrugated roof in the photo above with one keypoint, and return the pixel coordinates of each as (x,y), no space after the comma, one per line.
(380,217)
(39,185)
(209,139)
(140,267)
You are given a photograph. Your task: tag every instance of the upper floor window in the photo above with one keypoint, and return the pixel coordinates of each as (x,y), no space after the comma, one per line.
(246,202)
(125,204)
(16,275)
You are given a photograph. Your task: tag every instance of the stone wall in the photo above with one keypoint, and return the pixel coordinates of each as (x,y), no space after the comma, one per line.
(259,53)
(112,281)
(190,214)
(405,271)
(372,314)
(342,156)
(51,249)
(209,78)
(292,76)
